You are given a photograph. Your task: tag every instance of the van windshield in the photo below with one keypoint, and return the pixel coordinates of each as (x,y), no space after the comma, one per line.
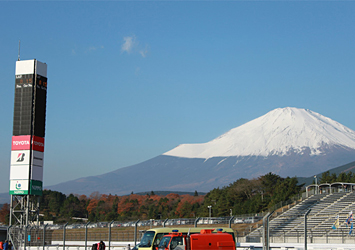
(164,242)
(147,239)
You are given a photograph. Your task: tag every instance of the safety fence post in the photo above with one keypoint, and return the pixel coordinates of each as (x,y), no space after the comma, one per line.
(266,236)
(64,235)
(165,222)
(230,221)
(135,232)
(44,236)
(195,223)
(86,235)
(305,228)
(109,235)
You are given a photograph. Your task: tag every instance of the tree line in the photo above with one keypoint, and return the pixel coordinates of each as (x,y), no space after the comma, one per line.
(327,177)
(240,197)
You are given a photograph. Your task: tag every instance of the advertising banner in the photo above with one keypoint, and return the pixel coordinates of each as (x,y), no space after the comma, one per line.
(20,172)
(36,173)
(19,187)
(37,158)
(38,143)
(22,157)
(21,142)
(35,187)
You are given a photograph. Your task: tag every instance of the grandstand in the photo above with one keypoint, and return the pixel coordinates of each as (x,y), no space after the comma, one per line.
(326,203)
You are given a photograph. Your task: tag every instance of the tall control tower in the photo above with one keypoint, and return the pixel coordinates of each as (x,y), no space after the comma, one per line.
(27,149)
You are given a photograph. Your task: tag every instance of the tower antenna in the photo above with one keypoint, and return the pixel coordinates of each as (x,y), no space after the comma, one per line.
(19,44)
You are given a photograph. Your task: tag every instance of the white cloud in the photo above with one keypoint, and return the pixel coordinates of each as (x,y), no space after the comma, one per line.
(144,51)
(129,43)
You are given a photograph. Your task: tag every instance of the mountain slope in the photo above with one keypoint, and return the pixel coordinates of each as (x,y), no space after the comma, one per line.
(190,174)
(350,167)
(278,132)
(287,142)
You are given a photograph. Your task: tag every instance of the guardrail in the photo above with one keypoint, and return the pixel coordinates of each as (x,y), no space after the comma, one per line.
(120,231)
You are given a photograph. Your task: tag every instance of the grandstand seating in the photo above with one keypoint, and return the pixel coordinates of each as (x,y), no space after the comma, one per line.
(324,208)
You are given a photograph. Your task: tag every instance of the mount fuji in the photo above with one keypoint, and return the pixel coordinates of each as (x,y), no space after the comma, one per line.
(285,141)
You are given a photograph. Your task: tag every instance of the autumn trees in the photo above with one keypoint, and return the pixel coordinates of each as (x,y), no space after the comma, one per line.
(4,214)
(58,207)
(241,197)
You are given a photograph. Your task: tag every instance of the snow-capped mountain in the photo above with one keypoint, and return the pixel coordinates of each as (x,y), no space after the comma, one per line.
(285,141)
(280,132)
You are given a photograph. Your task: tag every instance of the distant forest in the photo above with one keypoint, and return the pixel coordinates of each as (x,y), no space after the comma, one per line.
(242,196)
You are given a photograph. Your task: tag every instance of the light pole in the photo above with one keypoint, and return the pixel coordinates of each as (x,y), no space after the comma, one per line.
(209,210)
(315,181)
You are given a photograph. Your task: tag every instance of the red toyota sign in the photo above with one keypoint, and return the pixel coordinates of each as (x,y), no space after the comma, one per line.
(38,143)
(23,142)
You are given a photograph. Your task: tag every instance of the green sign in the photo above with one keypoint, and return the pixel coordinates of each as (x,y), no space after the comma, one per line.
(18,192)
(19,187)
(36,187)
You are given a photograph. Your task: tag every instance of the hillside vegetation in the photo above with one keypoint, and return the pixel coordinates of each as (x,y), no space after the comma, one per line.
(241,197)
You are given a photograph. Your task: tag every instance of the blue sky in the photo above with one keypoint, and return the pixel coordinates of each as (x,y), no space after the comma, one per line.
(128,81)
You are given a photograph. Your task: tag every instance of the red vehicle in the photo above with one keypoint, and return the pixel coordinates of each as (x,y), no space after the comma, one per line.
(205,240)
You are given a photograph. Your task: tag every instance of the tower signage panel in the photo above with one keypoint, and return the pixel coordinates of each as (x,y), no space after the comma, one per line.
(27,157)
(20,172)
(25,142)
(27,149)
(19,187)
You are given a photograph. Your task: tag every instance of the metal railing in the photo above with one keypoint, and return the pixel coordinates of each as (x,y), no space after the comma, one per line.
(114,231)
